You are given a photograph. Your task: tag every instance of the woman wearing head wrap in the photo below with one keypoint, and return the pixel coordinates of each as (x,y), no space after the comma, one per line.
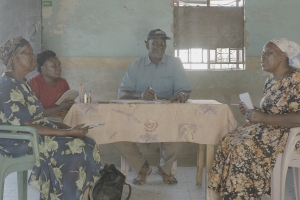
(246,156)
(69,161)
(48,86)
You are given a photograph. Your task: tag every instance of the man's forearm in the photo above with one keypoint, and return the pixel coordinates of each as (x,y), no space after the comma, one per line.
(126,94)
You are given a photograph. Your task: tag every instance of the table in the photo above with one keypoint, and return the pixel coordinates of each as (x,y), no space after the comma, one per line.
(204,122)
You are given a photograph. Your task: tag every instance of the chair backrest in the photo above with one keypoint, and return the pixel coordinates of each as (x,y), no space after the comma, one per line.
(22,163)
(289,159)
(11,132)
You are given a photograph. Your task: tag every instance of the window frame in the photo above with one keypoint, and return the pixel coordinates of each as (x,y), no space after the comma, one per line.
(240,63)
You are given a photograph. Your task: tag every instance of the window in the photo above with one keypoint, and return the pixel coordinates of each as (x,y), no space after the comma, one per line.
(220,58)
(209,3)
(209,34)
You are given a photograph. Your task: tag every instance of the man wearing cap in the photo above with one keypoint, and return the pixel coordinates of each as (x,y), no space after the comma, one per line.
(154,76)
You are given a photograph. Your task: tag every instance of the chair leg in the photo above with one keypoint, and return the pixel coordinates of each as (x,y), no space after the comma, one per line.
(286,158)
(296,177)
(1,186)
(200,164)
(124,167)
(275,179)
(2,178)
(22,185)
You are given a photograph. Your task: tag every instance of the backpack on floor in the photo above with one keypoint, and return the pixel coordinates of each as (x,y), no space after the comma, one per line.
(110,185)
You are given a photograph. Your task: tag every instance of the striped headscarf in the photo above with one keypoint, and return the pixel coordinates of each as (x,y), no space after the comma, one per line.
(292,50)
(7,50)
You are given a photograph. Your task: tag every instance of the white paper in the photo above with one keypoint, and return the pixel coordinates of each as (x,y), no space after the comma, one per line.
(137,101)
(69,94)
(93,125)
(245,97)
(202,101)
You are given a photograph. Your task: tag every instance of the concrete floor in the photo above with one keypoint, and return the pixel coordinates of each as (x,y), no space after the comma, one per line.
(154,189)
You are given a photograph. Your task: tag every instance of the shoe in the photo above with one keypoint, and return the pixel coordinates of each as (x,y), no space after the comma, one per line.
(143,174)
(167,179)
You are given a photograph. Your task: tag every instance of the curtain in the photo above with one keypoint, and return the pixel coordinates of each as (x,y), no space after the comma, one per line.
(208,27)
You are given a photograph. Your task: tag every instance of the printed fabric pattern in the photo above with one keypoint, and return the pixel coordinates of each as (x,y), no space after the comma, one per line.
(246,156)
(67,166)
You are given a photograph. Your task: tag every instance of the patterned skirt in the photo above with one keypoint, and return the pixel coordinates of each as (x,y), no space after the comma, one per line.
(245,159)
(66,167)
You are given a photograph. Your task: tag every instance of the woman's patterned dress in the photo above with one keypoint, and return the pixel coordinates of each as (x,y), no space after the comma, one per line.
(67,165)
(246,156)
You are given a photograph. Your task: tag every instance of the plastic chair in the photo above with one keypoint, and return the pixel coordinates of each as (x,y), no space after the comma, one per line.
(19,164)
(285,160)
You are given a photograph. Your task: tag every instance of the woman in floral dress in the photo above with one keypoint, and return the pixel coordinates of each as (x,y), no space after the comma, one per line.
(246,156)
(69,162)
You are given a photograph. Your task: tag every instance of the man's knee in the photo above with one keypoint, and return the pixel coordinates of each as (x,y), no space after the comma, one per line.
(121,145)
(171,147)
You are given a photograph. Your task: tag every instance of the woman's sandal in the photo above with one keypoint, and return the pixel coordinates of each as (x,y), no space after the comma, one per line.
(166,178)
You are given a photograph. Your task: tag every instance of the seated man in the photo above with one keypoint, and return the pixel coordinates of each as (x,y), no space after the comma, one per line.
(154,76)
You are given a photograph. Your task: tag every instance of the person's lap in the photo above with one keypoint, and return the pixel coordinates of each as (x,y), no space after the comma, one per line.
(67,167)
(245,158)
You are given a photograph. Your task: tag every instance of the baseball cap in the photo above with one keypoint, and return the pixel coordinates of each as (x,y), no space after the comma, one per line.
(157,33)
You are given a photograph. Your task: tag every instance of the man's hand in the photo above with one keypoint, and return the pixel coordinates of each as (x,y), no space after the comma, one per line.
(148,94)
(179,98)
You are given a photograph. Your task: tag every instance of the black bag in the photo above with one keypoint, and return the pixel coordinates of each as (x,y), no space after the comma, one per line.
(110,185)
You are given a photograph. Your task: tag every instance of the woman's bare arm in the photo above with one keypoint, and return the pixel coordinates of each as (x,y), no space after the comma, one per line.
(60,125)
(289,120)
(65,105)
(76,131)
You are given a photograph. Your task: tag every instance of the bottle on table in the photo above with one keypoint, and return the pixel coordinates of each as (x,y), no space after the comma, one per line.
(81,94)
(85,98)
(89,98)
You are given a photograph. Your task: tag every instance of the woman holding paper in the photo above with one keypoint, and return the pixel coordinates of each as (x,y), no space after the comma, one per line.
(246,157)
(48,86)
(69,162)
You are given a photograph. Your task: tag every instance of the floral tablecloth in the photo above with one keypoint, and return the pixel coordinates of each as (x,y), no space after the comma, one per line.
(199,121)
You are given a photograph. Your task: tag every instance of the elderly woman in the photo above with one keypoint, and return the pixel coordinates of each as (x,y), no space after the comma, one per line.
(246,157)
(69,161)
(48,86)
